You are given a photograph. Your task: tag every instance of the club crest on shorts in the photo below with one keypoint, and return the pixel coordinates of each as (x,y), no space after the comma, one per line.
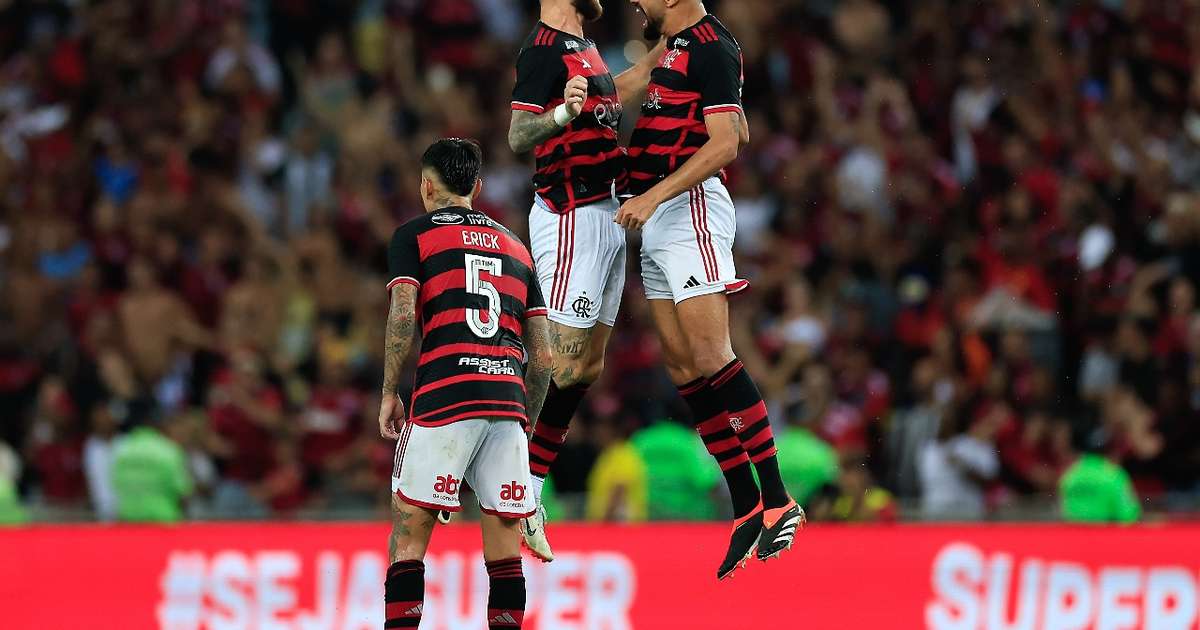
(582,306)
(447,218)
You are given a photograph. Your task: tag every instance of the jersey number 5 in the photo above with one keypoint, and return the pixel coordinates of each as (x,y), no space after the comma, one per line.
(476,285)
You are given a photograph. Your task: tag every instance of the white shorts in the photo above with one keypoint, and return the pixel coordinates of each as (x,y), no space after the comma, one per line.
(687,245)
(580,262)
(491,455)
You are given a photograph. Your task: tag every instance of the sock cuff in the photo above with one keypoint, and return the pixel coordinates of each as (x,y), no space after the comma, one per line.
(550,431)
(691,387)
(406,566)
(723,375)
(507,568)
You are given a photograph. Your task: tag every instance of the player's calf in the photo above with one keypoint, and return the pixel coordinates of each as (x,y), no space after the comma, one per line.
(578,361)
(506,580)
(404,588)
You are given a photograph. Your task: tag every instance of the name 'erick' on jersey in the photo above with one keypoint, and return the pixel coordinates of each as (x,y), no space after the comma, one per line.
(699,73)
(475,289)
(580,163)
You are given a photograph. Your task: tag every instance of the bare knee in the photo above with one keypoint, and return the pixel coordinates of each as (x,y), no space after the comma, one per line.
(411,529)
(712,359)
(710,354)
(501,538)
(680,368)
(574,370)
(578,355)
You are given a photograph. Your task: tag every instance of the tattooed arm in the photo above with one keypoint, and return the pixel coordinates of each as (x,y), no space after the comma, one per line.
(540,369)
(398,338)
(526,130)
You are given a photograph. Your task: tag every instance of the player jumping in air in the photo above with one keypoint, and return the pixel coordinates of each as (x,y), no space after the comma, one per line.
(566,107)
(468,283)
(691,126)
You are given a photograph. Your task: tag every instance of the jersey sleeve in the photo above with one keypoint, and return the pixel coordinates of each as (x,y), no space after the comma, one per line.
(539,79)
(535,305)
(404,257)
(721,82)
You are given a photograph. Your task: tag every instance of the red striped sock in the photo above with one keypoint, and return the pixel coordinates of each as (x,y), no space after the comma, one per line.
(748,416)
(404,594)
(506,594)
(722,443)
(550,432)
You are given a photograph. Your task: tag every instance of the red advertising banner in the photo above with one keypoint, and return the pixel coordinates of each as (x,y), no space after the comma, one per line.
(318,576)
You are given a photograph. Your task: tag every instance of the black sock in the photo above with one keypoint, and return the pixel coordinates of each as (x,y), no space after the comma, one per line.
(712,424)
(506,594)
(748,416)
(404,594)
(551,429)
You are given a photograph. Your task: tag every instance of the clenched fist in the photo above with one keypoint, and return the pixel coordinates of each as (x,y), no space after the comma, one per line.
(575,94)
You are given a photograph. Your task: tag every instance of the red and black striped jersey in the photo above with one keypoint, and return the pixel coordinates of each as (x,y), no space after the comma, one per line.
(476,287)
(579,164)
(699,73)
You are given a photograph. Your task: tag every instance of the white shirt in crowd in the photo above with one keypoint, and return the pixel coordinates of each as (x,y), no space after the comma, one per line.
(949,473)
(97,468)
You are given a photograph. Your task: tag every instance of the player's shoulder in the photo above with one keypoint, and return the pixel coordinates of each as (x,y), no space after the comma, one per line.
(708,35)
(544,39)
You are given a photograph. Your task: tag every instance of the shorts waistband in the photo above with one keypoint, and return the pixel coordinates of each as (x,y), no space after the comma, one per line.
(603,205)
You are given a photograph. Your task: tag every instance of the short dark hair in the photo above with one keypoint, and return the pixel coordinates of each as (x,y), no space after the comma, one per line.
(456,161)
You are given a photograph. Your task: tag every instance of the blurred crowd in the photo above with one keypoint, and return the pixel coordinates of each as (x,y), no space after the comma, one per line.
(972,229)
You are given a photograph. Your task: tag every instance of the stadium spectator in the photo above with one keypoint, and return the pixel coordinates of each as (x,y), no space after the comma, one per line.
(947,209)
(150,476)
(681,481)
(956,469)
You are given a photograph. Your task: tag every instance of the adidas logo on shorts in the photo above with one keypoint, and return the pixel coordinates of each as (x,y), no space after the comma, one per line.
(691,283)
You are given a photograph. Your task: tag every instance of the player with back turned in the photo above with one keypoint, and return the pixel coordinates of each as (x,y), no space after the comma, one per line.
(468,283)
(692,126)
(566,107)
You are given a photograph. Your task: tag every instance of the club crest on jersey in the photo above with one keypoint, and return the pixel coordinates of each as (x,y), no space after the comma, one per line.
(653,100)
(447,218)
(670,58)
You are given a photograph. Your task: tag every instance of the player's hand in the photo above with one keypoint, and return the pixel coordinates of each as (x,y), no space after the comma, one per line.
(575,94)
(391,413)
(635,212)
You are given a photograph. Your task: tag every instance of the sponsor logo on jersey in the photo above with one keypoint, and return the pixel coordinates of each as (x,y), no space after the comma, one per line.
(476,219)
(608,112)
(572,45)
(446,484)
(447,218)
(681,42)
(488,366)
(512,491)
